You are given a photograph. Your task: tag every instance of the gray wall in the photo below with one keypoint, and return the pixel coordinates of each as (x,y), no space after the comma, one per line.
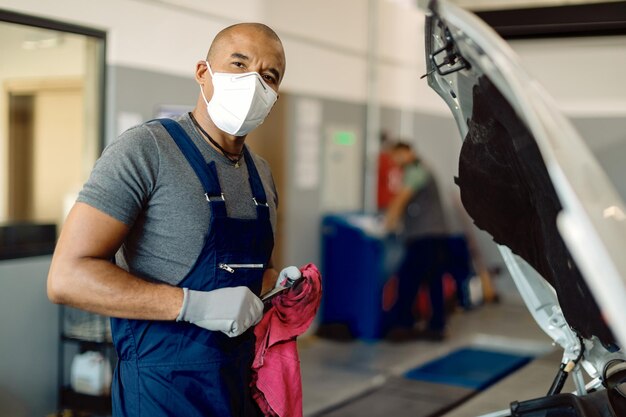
(613,160)
(29,337)
(606,137)
(142,92)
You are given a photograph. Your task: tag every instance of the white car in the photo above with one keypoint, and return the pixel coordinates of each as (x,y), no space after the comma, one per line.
(527,178)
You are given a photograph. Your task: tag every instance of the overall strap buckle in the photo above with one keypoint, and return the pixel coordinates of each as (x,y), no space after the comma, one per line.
(215,197)
(256,203)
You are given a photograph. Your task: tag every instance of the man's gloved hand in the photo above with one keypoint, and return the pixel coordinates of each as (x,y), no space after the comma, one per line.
(228,310)
(288,276)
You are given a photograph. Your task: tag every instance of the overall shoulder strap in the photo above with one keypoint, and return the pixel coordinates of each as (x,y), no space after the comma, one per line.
(206,173)
(256,185)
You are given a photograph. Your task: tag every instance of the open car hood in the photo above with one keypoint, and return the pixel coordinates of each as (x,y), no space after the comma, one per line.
(527,178)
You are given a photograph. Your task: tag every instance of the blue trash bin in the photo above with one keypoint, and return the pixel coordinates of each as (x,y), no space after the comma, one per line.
(357,261)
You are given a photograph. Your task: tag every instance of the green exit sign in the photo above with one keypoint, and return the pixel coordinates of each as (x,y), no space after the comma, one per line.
(344,138)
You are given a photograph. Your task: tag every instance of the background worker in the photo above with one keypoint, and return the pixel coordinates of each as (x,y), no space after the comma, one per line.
(416,213)
(189,214)
(389,173)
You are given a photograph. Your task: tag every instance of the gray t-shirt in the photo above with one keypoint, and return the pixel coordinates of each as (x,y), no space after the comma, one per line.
(423,216)
(143,180)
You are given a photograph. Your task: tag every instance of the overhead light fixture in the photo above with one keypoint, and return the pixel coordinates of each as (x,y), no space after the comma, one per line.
(50,41)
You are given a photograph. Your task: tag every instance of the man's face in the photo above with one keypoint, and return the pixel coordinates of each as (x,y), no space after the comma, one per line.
(401,157)
(246,50)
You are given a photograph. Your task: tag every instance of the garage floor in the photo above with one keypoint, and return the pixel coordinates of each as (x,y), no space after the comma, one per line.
(344,379)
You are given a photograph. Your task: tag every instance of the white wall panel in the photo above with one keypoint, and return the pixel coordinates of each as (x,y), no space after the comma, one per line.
(401,86)
(337,24)
(227,11)
(401,35)
(317,71)
(326,40)
(584,75)
(148,35)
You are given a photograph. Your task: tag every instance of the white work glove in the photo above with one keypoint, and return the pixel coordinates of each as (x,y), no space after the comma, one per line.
(228,310)
(288,276)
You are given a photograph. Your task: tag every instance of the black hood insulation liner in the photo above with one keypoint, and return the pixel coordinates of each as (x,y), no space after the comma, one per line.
(506,189)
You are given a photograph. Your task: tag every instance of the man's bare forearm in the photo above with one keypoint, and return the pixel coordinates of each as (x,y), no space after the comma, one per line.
(101,287)
(82,276)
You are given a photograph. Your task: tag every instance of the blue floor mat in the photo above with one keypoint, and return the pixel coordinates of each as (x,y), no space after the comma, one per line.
(469,368)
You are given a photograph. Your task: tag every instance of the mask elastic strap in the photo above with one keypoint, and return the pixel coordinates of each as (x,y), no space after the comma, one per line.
(204,97)
(201,90)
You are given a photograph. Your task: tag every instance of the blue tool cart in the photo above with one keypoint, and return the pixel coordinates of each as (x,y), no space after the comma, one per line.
(357,261)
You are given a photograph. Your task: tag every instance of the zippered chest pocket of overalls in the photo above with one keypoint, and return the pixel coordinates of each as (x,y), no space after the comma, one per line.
(232,268)
(243,274)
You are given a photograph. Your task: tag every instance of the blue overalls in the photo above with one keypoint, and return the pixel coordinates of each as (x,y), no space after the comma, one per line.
(169,368)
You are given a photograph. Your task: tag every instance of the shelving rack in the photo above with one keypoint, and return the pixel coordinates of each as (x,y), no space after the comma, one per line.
(86,332)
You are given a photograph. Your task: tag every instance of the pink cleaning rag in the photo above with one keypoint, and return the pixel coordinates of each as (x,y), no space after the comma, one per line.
(276,383)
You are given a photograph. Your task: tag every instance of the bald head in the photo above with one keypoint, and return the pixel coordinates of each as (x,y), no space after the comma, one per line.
(256,31)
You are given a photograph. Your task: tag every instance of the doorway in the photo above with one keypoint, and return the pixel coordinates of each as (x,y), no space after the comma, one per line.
(45,147)
(51,118)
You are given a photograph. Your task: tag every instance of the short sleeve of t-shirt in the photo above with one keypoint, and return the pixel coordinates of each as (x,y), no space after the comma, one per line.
(415,177)
(124,176)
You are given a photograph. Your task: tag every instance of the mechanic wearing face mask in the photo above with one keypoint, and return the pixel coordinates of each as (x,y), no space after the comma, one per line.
(189,214)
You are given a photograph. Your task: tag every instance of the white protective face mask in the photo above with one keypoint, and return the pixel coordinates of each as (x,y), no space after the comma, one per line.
(240,102)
